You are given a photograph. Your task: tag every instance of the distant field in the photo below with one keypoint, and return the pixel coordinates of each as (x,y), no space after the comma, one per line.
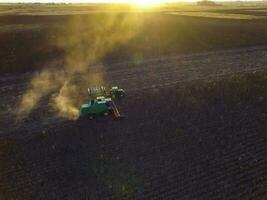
(18,27)
(36,35)
(215,15)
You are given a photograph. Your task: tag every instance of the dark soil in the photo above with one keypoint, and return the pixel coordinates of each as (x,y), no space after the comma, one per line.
(194,128)
(159,34)
(200,141)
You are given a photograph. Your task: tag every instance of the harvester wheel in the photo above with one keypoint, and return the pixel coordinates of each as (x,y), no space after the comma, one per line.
(110,111)
(82,117)
(122,94)
(91,117)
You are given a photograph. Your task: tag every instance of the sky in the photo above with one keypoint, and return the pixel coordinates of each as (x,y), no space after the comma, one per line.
(91,1)
(143,2)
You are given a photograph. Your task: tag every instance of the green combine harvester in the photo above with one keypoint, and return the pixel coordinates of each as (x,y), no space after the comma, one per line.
(102,102)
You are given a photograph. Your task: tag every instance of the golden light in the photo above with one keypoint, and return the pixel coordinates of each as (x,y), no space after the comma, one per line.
(147,3)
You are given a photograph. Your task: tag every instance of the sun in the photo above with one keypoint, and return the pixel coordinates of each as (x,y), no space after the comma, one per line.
(147,3)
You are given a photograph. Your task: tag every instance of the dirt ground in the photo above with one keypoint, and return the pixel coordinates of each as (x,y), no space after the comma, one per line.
(31,37)
(188,133)
(194,123)
(154,74)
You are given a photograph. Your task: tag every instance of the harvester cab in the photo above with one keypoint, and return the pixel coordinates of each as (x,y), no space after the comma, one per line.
(103,100)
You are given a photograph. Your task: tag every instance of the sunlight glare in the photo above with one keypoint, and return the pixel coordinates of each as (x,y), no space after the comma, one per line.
(147,3)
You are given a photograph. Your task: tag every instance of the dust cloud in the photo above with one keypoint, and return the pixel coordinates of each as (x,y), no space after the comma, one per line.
(85,41)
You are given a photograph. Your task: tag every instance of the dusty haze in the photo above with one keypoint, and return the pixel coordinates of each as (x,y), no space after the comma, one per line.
(84,46)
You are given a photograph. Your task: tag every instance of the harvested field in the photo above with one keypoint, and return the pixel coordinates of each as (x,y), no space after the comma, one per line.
(156,73)
(181,138)
(216,15)
(34,41)
(195,109)
(205,140)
